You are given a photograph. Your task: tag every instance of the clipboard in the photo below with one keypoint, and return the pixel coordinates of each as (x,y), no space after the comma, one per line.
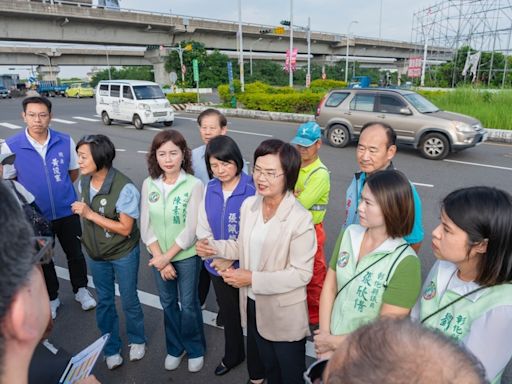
(81,365)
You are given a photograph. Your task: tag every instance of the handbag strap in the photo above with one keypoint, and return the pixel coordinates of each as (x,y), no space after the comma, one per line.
(20,196)
(371,265)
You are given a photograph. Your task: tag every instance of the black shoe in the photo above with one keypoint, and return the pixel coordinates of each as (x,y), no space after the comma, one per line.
(221,369)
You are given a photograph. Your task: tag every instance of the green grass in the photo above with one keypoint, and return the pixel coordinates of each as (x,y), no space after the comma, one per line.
(493,109)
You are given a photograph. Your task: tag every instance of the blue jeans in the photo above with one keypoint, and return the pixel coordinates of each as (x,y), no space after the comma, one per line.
(183,328)
(104,274)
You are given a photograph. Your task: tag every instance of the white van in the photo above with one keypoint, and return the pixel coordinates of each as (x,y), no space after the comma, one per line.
(140,102)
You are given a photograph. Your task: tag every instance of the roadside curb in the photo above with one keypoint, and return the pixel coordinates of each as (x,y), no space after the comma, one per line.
(185,106)
(252,114)
(495,135)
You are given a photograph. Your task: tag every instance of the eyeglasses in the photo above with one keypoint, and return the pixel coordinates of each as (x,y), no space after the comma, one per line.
(42,116)
(315,371)
(43,248)
(267,175)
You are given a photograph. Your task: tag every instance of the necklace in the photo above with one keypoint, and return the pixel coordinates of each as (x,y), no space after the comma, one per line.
(268,214)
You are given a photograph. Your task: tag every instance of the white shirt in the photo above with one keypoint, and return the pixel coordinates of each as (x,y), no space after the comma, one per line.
(258,236)
(187,236)
(10,170)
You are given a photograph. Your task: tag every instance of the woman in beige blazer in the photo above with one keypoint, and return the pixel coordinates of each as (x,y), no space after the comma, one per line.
(275,247)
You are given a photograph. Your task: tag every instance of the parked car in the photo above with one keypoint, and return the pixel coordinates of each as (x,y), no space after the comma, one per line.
(417,121)
(4,92)
(140,102)
(79,90)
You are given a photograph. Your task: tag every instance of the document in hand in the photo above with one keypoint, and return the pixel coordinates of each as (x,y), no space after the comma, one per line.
(81,365)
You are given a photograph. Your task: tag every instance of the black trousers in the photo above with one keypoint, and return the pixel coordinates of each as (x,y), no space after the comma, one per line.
(284,362)
(229,310)
(68,230)
(204,284)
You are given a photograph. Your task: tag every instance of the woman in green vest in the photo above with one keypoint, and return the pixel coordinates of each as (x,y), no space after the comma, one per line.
(373,272)
(109,208)
(170,202)
(468,292)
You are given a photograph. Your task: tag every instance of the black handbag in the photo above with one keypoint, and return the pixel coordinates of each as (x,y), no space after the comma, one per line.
(40,224)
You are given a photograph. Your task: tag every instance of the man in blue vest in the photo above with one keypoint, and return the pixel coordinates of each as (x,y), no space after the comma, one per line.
(46,165)
(375,151)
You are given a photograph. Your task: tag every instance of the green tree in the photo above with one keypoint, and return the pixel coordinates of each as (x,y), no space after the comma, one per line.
(130,72)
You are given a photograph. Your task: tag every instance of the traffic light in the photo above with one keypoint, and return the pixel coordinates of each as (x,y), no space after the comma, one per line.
(285,22)
(265,31)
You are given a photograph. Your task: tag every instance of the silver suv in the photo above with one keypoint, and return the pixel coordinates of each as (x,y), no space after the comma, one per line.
(417,121)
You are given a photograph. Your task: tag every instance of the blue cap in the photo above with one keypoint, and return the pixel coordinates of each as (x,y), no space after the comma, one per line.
(307,134)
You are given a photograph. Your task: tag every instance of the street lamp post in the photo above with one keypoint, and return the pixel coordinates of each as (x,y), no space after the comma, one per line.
(241,46)
(309,52)
(346,55)
(291,46)
(250,51)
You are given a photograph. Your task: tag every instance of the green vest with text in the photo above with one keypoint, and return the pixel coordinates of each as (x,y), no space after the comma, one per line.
(167,214)
(455,321)
(100,243)
(360,301)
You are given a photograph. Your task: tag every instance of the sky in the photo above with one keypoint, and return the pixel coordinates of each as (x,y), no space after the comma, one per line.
(326,15)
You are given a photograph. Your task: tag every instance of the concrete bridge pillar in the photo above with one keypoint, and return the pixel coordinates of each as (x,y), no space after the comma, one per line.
(157,58)
(48,73)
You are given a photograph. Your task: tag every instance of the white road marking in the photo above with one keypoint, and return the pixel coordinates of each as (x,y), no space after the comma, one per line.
(152,129)
(230,130)
(250,133)
(186,118)
(142,152)
(120,150)
(85,118)
(479,165)
(10,126)
(423,185)
(153,301)
(64,121)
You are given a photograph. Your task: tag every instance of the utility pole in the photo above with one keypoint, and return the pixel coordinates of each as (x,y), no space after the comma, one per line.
(241,46)
(346,53)
(309,53)
(290,72)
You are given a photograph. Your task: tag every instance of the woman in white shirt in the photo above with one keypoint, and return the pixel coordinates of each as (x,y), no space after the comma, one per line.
(468,292)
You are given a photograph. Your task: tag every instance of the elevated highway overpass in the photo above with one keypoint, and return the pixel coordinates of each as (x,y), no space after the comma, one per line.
(75,23)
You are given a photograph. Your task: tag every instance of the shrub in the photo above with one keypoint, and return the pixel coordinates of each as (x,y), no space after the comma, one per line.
(327,84)
(305,102)
(179,98)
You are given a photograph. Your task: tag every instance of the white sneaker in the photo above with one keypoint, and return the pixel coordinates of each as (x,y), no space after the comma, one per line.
(84,297)
(137,351)
(114,361)
(54,305)
(195,364)
(173,362)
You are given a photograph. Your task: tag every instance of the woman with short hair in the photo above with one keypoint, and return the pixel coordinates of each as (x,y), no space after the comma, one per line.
(373,272)
(275,248)
(109,208)
(219,217)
